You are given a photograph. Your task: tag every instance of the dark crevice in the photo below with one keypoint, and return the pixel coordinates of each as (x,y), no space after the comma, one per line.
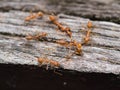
(94,18)
(104,46)
(106,36)
(52,40)
(10,34)
(33,77)
(8,8)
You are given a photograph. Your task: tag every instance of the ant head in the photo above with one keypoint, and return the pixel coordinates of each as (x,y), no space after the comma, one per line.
(79,45)
(40,60)
(29,37)
(40,14)
(52,17)
(89,25)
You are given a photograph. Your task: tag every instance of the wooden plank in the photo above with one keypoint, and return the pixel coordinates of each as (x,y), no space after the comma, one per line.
(102,54)
(105,10)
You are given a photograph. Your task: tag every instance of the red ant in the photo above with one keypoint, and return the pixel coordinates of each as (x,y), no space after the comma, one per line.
(37,36)
(87,37)
(78,47)
(33,16)
(62,42)
(45,61)
(62,28)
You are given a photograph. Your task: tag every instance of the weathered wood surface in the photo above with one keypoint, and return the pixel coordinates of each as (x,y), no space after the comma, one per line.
(102,54)
(108,10)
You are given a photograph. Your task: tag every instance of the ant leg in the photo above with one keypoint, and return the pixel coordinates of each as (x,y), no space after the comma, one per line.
(58,31)
(48,64)
(57,73)
(41,64)
(47,67)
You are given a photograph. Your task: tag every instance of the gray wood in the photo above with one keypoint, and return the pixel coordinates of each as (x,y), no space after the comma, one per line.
(105,10)
(102,54)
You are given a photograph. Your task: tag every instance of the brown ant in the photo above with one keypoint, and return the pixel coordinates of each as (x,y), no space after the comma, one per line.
(59,25)
(89,25)
(33,16)
(37,36)
(78,47)
(62,42)
(46,61)
(87,37)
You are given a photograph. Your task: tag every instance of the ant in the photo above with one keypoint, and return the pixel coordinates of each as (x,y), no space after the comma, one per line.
(89,25)
(62,42)
(59,25)
(37,36)
(87,37)
(33,16)
(78,47)
(48,62)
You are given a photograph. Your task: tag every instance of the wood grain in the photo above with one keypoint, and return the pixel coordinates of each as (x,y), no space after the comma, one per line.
(103,10)
(102,54)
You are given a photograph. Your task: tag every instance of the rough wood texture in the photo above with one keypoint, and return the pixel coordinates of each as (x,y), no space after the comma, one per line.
(105,10)
(102,54)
